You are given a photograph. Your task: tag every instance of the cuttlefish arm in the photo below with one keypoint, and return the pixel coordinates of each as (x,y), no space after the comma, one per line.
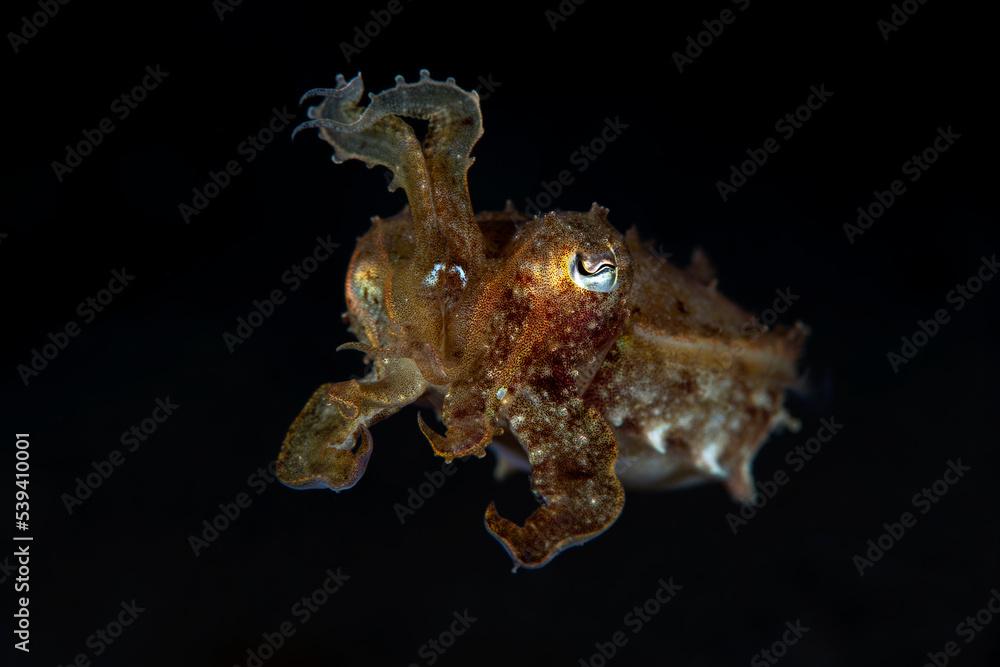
(548,324)
(572,451)
(320,449)
(434,174)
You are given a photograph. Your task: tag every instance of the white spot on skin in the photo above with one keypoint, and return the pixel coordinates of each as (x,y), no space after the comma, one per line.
(710,458)
(457,269)
(655,437)
(501,393)
(761,399)
(432,277)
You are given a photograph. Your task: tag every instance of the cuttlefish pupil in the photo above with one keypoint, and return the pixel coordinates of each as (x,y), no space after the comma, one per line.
(595,273)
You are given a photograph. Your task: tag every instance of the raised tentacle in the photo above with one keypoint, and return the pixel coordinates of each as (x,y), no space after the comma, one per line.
(376,139)
(448,245)
(380,138)
(454,127)
(455,124)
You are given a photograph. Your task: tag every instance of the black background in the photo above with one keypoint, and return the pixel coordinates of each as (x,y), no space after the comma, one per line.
(164,335)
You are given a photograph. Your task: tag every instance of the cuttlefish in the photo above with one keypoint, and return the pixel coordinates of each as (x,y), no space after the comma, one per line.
(576,352)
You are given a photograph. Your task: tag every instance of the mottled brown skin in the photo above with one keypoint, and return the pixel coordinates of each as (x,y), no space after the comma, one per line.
(587,358)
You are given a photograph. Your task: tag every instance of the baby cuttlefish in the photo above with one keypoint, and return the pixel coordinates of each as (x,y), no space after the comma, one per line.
(578,353)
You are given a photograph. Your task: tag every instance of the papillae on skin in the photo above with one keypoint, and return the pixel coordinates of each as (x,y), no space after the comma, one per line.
(575,352)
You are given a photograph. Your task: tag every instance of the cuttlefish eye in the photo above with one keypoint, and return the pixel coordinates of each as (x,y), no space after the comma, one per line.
(594,272)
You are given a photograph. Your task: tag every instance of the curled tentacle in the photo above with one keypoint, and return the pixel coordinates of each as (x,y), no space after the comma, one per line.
(319,450)
(376,139)
(326,92)
(469,412)
(455,124)
(377,135)
(572,458)
(448,245)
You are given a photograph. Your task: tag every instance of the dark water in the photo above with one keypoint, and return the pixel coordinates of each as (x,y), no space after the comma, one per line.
(900,357)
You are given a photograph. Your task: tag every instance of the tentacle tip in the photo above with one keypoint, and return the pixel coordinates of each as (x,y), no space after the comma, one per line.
(338,470)
(518,559)
(357,347)
(436,439)
(424,74)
